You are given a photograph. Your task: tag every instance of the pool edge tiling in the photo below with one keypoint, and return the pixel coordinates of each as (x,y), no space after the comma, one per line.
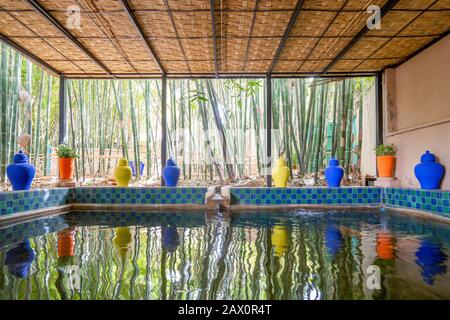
(432,201)
(12,202)
(344,196)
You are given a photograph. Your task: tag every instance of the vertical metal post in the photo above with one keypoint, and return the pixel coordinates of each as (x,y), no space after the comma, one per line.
(379,106)
(62,110)
(268,162)
(163,125)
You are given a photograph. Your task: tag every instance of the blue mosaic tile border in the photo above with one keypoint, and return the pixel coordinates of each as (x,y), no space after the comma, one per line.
(159,195)
(306,196)
(435,201)
(18,201)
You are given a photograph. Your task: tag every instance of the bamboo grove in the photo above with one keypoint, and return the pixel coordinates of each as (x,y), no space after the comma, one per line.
(216,128)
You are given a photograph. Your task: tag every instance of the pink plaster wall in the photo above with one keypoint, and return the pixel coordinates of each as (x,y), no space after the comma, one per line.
(422,101)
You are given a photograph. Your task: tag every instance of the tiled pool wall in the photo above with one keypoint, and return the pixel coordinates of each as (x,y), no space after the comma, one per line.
(139,195)
(306,196)
(436,201)
(19,201)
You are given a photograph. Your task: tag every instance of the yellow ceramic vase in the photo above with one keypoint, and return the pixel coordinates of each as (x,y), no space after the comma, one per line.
(123,173)
(122,240)
(280,174)
(279,240)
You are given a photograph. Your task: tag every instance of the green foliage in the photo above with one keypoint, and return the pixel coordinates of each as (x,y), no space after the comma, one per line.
(385,150)
(64,151)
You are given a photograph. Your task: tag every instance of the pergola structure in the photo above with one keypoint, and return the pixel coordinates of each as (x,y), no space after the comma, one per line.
(135,39)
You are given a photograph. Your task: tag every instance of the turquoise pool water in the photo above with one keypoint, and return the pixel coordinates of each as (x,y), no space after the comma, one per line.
(296,254)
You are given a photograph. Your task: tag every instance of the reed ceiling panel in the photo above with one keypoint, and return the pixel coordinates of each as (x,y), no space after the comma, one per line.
(287,65)
(257,65)
(345,65)
(313,65)
(328,48)
(270,24)
(10,27)
(175,66)
(312,23)
(441,5)
(108,33)
(193,24)
(148,5)
(198,49)
(202,66)
(413,4)
(189,4)
(298,48)
(234,24)
(365,48)
(394,22)
(65,66)
(401,47)
(156,24)
(429,23)
(261,48)
(375,64)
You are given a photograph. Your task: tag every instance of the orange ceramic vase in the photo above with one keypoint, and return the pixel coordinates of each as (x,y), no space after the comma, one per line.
(66,167)
(386,166)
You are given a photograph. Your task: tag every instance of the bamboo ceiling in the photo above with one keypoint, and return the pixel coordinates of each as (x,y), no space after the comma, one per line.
(189,38)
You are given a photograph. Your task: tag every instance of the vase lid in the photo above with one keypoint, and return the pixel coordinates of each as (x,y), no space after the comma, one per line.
(20,157)
(281,162)
(334,162)
(122,163)
(428,157)
(170,162)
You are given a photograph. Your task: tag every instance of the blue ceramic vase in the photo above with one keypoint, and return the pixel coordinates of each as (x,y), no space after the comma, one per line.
(334,173)
(21,173)
(18,260)
(429,172)
(171,173)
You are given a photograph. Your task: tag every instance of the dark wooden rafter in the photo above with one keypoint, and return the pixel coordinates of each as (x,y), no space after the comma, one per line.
(39,8)
(323,34)
(384,10)
(169,11)
(287,31)
(250,35)
(400,31)
(141,33)
(29,55)
(213,26)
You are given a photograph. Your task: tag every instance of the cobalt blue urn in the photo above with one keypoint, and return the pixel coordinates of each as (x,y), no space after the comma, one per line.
(21,173)
(334,173)
(18,260)
(431,260)
(171,173)
(170,238)
(429,172)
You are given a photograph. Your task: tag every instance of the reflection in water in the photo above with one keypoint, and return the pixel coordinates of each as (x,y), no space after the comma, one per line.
(277,255)
(122,241)
(170,238)
(66,243)
(385,246)
(18,259)
(333,239)
(280,240)
(431,260)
